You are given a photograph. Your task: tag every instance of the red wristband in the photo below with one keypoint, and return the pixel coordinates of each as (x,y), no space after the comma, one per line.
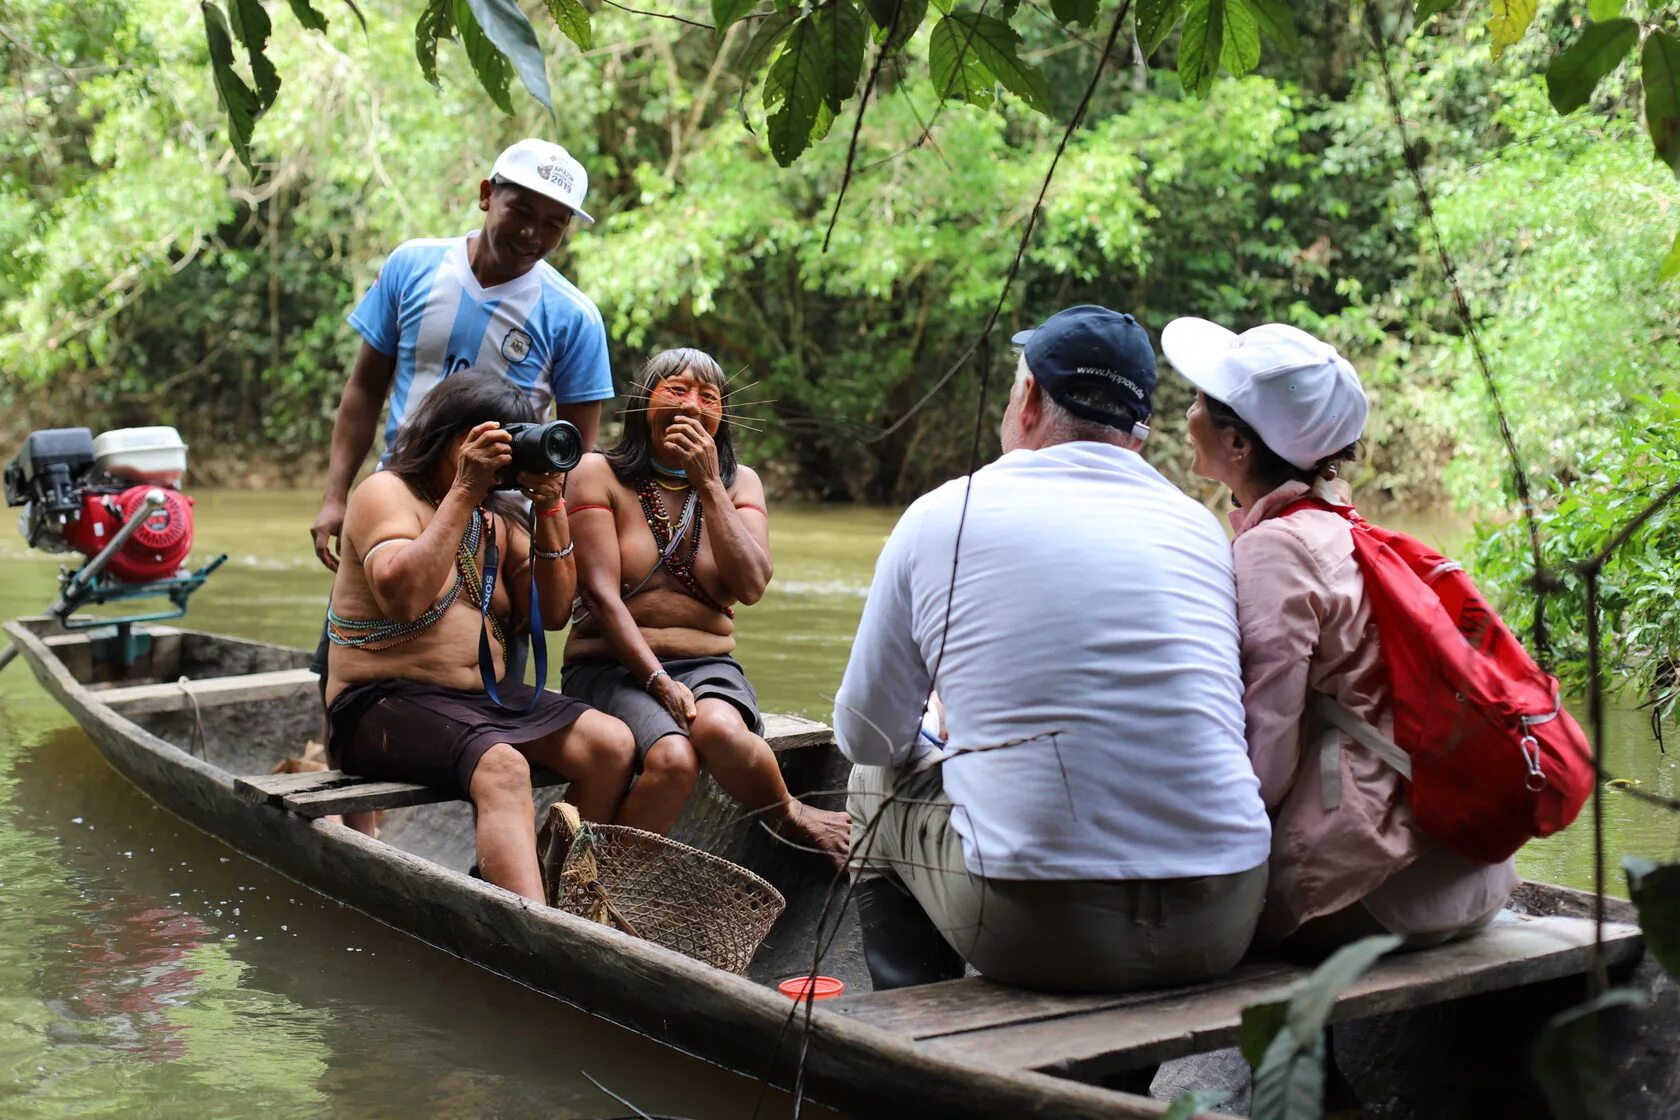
(561,508)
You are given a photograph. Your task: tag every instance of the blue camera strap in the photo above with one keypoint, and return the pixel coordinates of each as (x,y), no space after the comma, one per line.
(486,664)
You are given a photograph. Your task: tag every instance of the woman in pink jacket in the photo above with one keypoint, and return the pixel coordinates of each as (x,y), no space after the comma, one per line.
(1276,411)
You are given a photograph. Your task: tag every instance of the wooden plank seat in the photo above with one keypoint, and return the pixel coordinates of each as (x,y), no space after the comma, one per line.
(325,793)
(1089,1037)
(144,699)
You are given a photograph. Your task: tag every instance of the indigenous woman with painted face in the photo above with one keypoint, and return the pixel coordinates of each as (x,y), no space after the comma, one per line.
(1276,412)
(673,535)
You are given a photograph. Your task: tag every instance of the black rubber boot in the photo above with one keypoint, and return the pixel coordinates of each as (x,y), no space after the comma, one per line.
(901,944)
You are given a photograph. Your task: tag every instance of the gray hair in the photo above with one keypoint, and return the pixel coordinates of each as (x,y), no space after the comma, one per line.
(1064,426)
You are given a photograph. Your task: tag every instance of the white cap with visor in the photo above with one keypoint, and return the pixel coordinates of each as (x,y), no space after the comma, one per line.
(548,169)
(1297,392)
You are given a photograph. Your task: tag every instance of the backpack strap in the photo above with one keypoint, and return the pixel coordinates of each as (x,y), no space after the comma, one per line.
(1342,719)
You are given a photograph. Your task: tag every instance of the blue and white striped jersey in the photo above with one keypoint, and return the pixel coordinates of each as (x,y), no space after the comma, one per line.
(427,308)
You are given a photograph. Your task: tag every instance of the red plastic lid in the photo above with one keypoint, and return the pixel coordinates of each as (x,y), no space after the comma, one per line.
(816,987)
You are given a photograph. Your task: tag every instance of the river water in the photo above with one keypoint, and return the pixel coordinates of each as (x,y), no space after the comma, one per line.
(146,970)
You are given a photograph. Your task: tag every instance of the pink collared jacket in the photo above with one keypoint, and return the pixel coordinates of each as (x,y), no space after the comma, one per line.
(1307,628)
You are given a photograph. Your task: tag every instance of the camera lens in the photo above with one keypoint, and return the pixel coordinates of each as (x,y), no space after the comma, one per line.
(562,445)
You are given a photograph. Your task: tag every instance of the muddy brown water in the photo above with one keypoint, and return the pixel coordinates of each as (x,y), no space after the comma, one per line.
(147,970)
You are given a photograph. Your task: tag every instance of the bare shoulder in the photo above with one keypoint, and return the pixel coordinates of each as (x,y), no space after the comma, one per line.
(380,508)
(748,487)
(592,482)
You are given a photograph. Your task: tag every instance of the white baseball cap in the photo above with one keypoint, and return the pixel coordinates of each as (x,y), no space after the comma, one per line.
(1298,394)
(547,169)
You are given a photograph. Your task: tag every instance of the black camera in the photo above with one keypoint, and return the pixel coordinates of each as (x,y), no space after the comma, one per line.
(541,449)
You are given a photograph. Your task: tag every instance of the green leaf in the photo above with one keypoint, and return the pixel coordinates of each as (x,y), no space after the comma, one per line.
(955,64)
(1427,8)
(252,28)
(572,18)
(794,91)
(1510,19)
(1200,45)
(1670,267)
(1659,67)
(1154,21)
(1075,11)
(238,102)
(306,14)
(1289,1085)
(437,21)
(1277,23)
(1186,1105)
(1655,888)
(1261,1023)
(843,31)
(771,31)
(488,63)
(505,25)
(1602,10)
(909,14)
(1569,1063)
(1311,1000)
(1240,51)
(1574,74)
(998,47)
(726,12)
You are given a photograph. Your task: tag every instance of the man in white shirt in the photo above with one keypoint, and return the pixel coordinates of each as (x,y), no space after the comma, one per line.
(1091,821)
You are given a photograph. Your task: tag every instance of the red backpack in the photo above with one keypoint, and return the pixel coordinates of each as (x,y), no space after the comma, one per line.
(1494,759)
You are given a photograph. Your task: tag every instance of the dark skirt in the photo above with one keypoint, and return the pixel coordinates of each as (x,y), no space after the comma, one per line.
(607,686)
(403,731)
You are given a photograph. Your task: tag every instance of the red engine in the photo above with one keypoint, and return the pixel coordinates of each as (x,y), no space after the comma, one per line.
(158,548)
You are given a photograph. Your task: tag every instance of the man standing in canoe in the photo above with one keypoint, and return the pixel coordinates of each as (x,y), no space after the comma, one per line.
(487,300)
(1092,822)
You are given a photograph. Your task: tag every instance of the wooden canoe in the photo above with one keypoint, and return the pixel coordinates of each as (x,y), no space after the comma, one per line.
(199,720)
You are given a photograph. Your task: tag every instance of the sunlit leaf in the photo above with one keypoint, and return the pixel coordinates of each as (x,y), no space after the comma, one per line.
(306,14)
(1655,887)
(1574,74)
(572,18)
(1186,1106)
(437,21)
(1569,1063)
(1155,20)
(1200,44)
(794,91)
(726,12)
(1240,52)
(1659,68)
(1510,19)
(955,65)
(252,28)
(1075,11)
(1427,8)
(908,13)
(238,102)
(1604,9)
(504,24)
(1670,267)
(488,63)
(998,46)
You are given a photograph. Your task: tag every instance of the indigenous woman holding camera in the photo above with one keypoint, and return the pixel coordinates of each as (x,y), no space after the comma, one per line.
(1275,413)
(407,698)
(672,534)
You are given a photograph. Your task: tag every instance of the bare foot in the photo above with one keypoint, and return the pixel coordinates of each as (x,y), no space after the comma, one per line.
(827,831)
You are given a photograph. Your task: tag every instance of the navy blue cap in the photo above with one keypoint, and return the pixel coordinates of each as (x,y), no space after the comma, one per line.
(1096,352)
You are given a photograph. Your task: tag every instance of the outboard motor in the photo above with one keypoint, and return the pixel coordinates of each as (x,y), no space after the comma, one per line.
(116,500)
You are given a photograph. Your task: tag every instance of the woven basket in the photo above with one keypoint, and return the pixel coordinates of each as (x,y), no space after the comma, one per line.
(650,887)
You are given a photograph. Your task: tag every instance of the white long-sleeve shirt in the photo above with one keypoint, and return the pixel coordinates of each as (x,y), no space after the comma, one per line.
(1093,600)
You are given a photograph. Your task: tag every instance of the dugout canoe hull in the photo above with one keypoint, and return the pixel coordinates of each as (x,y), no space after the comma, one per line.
(413,880)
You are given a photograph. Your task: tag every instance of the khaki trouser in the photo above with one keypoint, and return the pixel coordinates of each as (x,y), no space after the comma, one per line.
(1086,935)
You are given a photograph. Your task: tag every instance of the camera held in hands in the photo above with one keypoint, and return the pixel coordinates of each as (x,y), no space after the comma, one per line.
(541,449)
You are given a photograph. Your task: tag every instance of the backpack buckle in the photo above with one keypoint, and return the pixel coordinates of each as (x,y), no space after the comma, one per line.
(1530,747)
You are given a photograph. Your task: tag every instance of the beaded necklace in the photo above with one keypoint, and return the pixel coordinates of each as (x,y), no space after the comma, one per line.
(681,567)
(380,634)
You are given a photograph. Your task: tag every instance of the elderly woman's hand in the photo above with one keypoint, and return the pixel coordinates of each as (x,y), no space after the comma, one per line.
(488,449)
(546,491)
(687,440)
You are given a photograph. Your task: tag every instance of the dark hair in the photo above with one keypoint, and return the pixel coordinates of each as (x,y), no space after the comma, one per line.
(453,406)
(1272,469)
(632,456)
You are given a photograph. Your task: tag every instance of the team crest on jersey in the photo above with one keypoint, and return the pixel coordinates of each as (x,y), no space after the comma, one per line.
(556,174)
(515,345)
